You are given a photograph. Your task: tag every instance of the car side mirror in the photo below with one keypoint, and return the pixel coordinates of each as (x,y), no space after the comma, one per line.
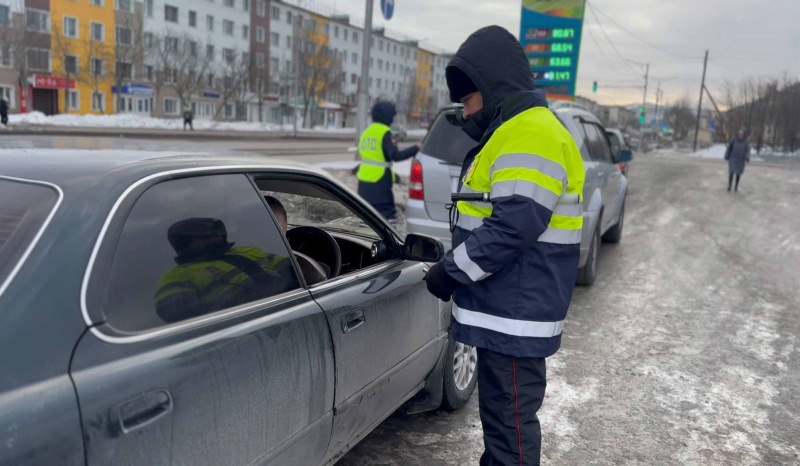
(625,155)
(422,248)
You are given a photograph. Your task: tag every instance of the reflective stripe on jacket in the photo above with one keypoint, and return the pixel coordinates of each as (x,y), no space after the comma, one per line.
(370,148)
(517,256)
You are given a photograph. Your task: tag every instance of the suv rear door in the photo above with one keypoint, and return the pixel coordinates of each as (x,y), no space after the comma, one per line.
(441,156)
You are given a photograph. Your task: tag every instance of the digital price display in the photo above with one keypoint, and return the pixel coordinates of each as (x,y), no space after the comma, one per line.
(551,37)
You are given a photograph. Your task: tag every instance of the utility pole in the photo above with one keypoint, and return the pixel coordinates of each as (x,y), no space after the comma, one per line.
(363,84)
(643,116)
(700,101)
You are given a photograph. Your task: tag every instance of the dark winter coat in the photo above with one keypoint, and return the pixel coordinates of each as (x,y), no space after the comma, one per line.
(3,107)
(737,155)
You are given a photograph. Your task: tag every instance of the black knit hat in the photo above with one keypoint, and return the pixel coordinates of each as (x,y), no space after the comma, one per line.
(458,83)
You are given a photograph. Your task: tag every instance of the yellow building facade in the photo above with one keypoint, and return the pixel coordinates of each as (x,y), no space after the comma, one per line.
(83,34)
(422,83)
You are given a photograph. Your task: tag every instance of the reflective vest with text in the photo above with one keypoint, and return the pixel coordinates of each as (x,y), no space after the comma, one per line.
(370,148)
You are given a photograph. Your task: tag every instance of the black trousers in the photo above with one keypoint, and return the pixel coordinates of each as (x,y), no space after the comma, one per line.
(510,391)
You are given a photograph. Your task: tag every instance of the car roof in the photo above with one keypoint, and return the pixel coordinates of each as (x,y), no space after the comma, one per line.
(68,168)
(567,112)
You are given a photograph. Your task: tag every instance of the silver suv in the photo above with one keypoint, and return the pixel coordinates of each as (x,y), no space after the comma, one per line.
(435,172)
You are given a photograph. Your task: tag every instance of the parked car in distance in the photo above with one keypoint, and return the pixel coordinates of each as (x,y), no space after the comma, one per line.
(436,170)
(153,311)
(618,142)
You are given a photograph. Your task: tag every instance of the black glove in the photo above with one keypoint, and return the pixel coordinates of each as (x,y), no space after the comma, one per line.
(440,284)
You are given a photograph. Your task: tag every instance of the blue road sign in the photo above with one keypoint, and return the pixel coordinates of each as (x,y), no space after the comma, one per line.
(387,8)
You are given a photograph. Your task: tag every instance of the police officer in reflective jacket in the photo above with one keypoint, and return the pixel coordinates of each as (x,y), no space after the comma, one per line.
(513,267)
(377,152)
(212,274)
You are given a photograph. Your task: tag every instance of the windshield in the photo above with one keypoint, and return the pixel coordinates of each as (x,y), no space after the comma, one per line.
(324,213)
(446,141)
(23,210)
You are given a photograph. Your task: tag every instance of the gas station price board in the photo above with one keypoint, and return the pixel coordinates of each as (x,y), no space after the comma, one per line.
(551,37)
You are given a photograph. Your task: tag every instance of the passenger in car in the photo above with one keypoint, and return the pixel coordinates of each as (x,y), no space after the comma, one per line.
(212,274)
(279,211)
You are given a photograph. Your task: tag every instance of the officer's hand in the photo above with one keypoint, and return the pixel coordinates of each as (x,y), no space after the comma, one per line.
(439,283)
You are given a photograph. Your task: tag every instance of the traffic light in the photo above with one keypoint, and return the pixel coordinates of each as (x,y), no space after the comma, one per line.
(594,87)
(641,115)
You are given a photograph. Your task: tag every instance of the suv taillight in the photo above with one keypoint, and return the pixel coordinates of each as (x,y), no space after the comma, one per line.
(415,189)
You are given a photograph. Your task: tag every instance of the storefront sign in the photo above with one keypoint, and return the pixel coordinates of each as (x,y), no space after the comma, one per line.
(52,82)
(211,94)
(142,90)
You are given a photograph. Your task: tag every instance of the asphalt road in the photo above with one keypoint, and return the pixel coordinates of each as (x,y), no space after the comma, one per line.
(685,350)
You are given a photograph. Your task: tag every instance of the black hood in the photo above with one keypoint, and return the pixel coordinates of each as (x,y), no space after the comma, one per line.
(493,59)
(384,112)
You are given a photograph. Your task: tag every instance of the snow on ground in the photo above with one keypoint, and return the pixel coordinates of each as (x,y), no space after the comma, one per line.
(717,151)
(417,133)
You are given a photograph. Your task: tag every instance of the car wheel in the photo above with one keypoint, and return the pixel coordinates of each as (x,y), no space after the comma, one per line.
(614,234)
(588,272)
(460,374)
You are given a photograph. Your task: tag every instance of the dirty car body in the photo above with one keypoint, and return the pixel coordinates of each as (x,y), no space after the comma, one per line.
(89,372)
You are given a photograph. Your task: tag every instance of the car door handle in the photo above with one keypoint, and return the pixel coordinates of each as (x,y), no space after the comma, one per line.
(142,410)
(352,320)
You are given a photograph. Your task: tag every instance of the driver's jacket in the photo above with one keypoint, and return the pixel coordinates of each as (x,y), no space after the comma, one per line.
(517,256)
(241,275)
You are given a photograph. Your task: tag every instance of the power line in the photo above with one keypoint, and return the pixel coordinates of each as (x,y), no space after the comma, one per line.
(614,47)
(602,52)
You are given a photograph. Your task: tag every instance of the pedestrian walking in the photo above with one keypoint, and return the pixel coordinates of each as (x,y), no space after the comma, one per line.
(188,116)
(513,267)
(737,155)
(378,151)
(4,112)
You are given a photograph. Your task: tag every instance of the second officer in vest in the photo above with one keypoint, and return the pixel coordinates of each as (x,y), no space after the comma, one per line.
(378,152)
(515,259)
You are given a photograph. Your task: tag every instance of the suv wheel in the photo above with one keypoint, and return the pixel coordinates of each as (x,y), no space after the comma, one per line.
(614,234)
(460,374)
(588,272)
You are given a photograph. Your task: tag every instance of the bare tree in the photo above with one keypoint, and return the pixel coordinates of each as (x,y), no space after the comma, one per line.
(681,118)
(179,62)
(129,48)
(318,69)
(234,80)
(15,40)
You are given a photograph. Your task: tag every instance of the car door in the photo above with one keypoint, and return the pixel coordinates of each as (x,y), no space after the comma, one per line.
(387,329)
(246,378)
(607,173)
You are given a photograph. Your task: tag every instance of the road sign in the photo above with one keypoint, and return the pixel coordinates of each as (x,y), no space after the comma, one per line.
(387,8)
(550,33)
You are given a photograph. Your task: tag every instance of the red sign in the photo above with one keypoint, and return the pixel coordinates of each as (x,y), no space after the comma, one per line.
(52,82)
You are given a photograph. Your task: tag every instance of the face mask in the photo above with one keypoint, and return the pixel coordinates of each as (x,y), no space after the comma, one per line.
(476,125)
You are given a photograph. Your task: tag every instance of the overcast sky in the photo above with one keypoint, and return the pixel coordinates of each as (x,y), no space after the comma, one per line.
(758,38)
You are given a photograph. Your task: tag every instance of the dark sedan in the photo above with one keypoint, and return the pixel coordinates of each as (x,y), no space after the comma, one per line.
(196,309)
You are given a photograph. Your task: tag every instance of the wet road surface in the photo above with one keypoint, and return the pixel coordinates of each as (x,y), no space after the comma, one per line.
(684,351)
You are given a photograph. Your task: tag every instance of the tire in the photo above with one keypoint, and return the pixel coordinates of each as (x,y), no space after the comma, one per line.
(459,380)
(588,272)
(614,234)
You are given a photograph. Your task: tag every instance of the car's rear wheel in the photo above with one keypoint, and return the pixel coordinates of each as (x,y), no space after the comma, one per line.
(588,272)
(614,234)
(460,374)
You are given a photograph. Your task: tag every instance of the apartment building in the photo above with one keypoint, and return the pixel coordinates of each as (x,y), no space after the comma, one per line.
(223,59)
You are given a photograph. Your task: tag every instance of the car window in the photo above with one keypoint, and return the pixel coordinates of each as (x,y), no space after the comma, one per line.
(193,246)
(446,141)
(616,143)
(24,207)
(581,140)
(598,144)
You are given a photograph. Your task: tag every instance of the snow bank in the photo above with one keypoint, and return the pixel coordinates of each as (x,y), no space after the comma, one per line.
(717,151)
(417,133)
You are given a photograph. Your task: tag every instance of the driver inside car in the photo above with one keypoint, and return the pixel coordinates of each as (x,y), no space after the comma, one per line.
(212,273)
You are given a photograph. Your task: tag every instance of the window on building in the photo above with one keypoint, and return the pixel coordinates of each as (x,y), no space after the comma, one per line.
(148,8)
(171,13)
(370,81)
(355,37)
(149,72)
(124,35)
(355,58)
(73,99)
(98,101)
(275,38)
(37,20)
(125,5)
(336,31)
(5,15)
(97,66)
(288,17)
(274,65)
(394,67)
(70,64)
(124,70)
(288,42)
(380,45)
(276,13)
(229,3)
(210,23)
(210,52)
(379,83)
(287,66)
(193,48)
(260,62)
(70,26)
(97,32)
(261,8)
(260,35)
(193,19)
(371,62)
(380,65)
(148,39)
(5,55)
(227,27)
(171,44)
(38,59)
(345,33)
(229,55)
(210,80)
(246,5)
(170,75)
(170,108)
(353,78)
